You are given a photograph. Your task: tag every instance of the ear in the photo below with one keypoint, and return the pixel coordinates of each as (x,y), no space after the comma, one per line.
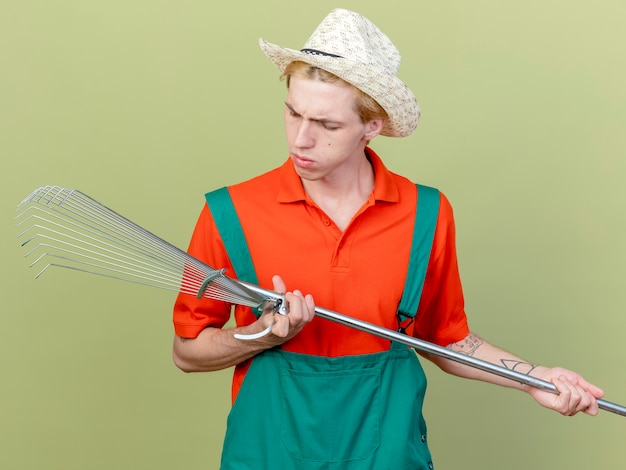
(373,128)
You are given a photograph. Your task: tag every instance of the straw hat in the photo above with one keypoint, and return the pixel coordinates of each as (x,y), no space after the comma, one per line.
(350,46)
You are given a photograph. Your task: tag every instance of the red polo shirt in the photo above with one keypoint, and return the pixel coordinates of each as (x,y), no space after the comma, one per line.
(359,272)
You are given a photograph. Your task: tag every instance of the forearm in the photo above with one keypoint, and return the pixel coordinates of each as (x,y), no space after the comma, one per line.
(474,346)
(216,349)
(575,394)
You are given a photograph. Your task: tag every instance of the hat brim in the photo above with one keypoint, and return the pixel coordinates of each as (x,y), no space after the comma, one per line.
(388,90)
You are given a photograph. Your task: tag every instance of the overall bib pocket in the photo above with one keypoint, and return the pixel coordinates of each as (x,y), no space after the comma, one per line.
(330,415)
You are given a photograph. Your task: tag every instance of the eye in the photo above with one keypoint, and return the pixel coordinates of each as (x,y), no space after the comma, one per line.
(292,112)
(330,126)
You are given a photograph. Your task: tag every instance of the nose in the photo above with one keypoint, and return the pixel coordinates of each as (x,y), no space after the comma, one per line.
(304,135)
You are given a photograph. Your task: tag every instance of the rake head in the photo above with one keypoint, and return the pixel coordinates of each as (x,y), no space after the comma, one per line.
(63,228)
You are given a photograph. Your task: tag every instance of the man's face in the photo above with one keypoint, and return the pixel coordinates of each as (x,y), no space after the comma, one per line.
(325,135)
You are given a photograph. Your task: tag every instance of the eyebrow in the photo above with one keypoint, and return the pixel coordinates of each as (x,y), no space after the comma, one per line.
(320,120)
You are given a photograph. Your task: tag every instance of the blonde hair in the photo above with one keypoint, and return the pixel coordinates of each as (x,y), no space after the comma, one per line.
(366,107)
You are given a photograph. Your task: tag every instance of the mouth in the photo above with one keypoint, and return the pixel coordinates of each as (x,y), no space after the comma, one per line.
(301,161)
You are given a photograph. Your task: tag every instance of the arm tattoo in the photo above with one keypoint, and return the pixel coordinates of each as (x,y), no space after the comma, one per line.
(518,366)
(467,346)
(470,345)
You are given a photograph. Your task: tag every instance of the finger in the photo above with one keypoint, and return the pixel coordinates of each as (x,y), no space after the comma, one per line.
(297,308)
(578,380)
(310,303)
(578,399)
(587,401)
(592,389)
(281,326)
(566,394)
(592,407)
(279,284)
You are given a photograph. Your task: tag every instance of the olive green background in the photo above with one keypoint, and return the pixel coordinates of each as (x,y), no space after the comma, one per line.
(145,105)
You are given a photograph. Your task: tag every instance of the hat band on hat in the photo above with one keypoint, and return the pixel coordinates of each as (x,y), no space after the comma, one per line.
(316,52)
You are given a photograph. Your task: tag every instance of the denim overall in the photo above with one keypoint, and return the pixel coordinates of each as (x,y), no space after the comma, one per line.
(305,412)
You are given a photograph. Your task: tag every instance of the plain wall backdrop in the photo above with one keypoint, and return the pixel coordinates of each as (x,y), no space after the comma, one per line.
(146,105)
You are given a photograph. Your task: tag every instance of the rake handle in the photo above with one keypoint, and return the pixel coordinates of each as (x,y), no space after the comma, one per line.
(436,350)
(425,346)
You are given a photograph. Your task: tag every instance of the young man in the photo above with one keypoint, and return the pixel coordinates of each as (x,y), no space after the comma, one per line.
(332,221)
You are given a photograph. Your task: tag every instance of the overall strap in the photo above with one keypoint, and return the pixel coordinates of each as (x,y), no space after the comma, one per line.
(229,228)
(426,214)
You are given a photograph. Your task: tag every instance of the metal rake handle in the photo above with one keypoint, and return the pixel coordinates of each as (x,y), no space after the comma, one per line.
(436,350)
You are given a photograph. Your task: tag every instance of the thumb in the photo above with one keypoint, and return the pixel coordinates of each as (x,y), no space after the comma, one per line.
(279,284)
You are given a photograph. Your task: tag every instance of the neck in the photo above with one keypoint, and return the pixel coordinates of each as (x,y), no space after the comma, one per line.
(341,198)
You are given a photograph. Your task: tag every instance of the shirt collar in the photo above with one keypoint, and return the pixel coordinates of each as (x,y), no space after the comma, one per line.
(385,187)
